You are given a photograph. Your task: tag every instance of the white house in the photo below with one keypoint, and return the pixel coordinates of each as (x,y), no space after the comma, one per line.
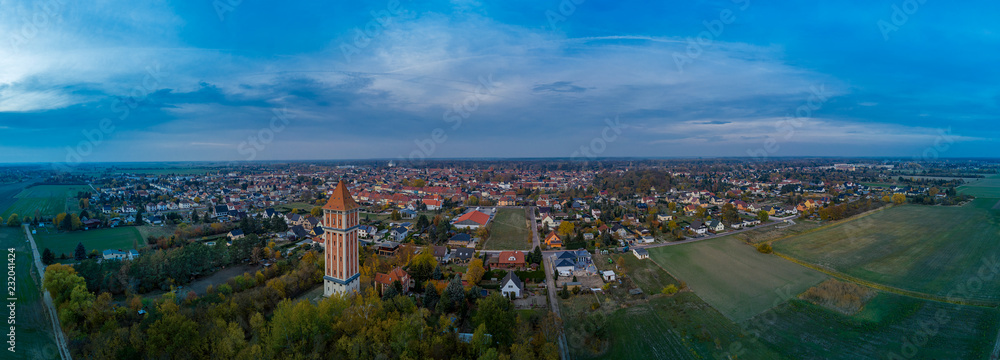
(640,253)
(511,285)
(120,255)
(608,275)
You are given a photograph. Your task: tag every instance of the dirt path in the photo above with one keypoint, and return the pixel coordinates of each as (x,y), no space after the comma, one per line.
(550,284)
(56,327)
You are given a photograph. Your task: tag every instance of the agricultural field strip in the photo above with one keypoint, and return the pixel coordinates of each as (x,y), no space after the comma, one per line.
(887,288)
(832,224)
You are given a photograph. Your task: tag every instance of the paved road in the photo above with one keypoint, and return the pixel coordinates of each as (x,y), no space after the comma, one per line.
(713,236)
(53,315)
(550,284)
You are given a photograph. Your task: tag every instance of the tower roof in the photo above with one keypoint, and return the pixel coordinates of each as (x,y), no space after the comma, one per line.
(341,199)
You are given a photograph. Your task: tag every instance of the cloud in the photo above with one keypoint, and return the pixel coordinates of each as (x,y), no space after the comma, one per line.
(559,86)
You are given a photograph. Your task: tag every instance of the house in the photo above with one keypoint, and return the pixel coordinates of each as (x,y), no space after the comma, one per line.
(564,267)
(608,275)
(550,222)
(387,248)
(408,214)
(511,285)
(473,219)
(716,226)
(460,239)
(699,227)
(511,260)
(366,231)
(120,255)
(664,217)
(383,281)
(235,234)
(640,253)
(553,241)
(398,233)
(220,211)
(463,255)
(441,254)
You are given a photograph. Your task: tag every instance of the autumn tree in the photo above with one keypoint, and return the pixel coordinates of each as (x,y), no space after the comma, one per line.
(475,271)
(566,228)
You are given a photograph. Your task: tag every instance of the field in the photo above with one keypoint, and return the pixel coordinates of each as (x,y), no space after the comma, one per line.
(733,277)
(48,200)
(644,273)
(34,329)
(984,188)
(100,240)
(927,249)
(509,231)
(801,330)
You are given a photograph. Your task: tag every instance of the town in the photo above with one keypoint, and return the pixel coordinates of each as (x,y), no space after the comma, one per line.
(561,245)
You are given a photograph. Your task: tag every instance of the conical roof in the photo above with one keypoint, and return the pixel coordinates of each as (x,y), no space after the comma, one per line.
(341,199)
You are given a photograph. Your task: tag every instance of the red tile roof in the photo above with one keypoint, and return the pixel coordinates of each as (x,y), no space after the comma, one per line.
(479,217)
(341,199)
(511,257)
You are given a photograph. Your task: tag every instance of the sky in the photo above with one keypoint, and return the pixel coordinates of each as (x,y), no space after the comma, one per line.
(232,80)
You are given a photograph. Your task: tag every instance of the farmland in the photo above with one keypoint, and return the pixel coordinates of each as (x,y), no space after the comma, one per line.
(801,330)
(509,230)
(926,249)
(100,240)
(984,188)
(47,200)
(733,277)
(34,329)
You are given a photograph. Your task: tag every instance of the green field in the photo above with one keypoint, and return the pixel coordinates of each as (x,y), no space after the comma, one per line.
(927,249)
(801,330)
(34,329)
(100,240)
(733,277)
(509,231)
(47,200)
(984,188)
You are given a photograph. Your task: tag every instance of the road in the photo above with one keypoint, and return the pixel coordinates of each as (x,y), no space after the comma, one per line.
(550,283)
(713,236)
(56,327)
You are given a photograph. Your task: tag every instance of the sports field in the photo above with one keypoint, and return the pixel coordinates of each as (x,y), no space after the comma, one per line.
(935,250)
(733,277)
(890,326)
(100,240)
(984,188)
(509,231)
(48,200)
(32,324)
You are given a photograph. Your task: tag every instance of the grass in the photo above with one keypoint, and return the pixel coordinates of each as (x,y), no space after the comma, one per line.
(509,231)
(100,240)
(801,330)
(47,200)
(984,188)
(644,273)
(925,249)
(733,277)
(33,327)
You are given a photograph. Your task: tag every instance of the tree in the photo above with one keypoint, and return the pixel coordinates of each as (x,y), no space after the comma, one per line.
(437,275)
(13,221)
(422,222)
(316,211)
(566,228)
(475,271)
(431,297)
(80,253)
(670,289)
(497,313)
(396,216)
(763,216)
(421,266)
(898,199)
(194,216)
(48,257)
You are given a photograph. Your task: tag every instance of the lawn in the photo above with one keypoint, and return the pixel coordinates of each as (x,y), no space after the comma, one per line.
(509,231)
(934,250)
(984,188)
(733,277)
(801,330)
(48,200)
(644,273)
(65,242)
(34,329)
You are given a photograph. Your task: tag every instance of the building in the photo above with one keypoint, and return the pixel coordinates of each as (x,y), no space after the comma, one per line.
(511,285)
(120,255)
(340,234)
(511,260)
(397,274)
(553,241)
(608,275)
(473,219)
(640,253)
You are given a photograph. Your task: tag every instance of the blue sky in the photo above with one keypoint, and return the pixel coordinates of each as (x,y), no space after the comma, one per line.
(231,80)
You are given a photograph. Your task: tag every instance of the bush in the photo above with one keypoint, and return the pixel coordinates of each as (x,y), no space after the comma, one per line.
(764,248)
(670,289)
